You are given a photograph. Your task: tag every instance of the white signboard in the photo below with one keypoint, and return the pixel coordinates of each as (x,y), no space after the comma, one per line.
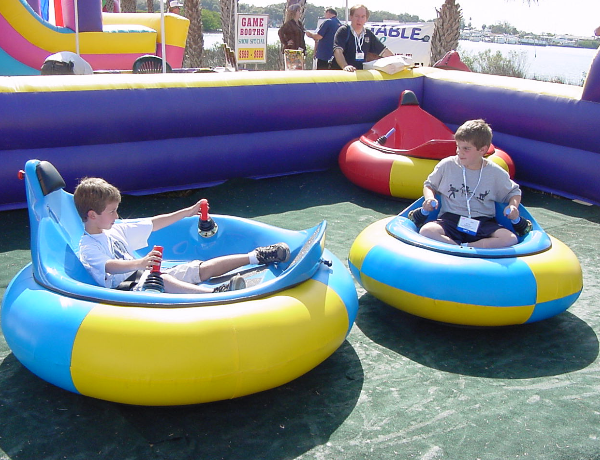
(408,39)
(251,38)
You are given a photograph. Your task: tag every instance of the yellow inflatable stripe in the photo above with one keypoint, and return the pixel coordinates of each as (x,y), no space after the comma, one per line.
(366,240)
(408,174)
(445,311)
(513,84)
(186,80)
(499,161)
(175,26)
(557,272)
(161,356)
(115,43)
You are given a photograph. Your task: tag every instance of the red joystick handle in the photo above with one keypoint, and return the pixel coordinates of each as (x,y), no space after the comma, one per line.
(203,209)
(156,268)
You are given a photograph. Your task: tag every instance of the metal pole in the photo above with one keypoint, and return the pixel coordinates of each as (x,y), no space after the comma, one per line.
(346,11)
(163,47)
(76,27)
(235,24)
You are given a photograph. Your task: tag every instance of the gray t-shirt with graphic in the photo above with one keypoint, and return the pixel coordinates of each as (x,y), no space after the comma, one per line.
(482,187)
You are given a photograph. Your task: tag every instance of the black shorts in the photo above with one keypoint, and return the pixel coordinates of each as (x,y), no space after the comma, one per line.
(131,281)
(449,222)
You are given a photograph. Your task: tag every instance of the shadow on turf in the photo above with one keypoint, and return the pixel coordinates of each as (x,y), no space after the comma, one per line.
(554,346)
(38,420)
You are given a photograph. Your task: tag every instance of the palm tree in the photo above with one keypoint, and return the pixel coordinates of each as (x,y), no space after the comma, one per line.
(128,6)
(228,21)
(195,40)
(447,30)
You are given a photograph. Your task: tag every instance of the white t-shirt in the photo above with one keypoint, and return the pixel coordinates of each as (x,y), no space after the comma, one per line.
(80,65)
(117,243)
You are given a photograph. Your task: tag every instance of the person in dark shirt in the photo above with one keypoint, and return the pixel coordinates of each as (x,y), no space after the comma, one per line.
(324,38)
(353,42)
(291,33)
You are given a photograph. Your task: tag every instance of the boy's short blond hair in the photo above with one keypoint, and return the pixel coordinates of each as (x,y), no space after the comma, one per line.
(94,194)
(477,132)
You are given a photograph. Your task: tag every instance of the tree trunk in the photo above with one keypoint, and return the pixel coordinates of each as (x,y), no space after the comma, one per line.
(228,21)
(228,9)
(128,6)
(447,30)
(150,6)
(195,41)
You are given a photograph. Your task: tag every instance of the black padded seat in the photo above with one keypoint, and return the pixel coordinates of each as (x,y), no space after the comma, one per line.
(149,64)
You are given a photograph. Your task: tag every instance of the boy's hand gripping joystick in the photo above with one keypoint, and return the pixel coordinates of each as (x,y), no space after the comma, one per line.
(154,282)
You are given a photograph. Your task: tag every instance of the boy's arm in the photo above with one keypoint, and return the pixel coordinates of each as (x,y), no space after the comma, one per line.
(432,183)
(513,207)
(114,266)
(164,220)
(429,196)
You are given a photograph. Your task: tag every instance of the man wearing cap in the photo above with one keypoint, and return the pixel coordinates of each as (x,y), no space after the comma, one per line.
(175,6)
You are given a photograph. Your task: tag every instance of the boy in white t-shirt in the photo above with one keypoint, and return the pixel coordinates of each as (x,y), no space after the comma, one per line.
(106,247)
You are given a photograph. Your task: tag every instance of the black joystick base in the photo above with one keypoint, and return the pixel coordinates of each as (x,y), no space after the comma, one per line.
(207,227)
(154,282)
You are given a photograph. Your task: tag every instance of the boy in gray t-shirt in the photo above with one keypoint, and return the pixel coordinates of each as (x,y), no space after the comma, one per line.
(470,186)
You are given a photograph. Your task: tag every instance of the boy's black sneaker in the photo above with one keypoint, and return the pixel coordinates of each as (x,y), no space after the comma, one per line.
(236,283)
(279,252)
(417,217)
(523,227)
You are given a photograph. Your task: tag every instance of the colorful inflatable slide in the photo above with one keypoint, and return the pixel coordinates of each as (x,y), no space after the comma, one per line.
(108,41)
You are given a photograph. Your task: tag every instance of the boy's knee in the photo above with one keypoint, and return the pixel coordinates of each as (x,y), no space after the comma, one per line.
(431,228)
(508,237)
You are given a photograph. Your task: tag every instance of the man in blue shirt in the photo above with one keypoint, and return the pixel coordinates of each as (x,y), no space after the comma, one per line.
(324,38)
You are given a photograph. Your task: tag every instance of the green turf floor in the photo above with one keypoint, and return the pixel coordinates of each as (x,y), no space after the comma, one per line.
(399,387)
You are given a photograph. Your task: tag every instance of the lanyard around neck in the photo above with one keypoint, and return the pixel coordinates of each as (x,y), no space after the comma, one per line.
(468,198)
(358,39)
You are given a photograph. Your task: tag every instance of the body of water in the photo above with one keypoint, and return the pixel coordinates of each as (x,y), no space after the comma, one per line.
(545,62)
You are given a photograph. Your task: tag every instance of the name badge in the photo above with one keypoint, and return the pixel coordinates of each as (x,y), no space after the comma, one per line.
(360,56)
(468,225)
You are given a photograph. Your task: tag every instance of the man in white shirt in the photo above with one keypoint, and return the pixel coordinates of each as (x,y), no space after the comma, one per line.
(66,63)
